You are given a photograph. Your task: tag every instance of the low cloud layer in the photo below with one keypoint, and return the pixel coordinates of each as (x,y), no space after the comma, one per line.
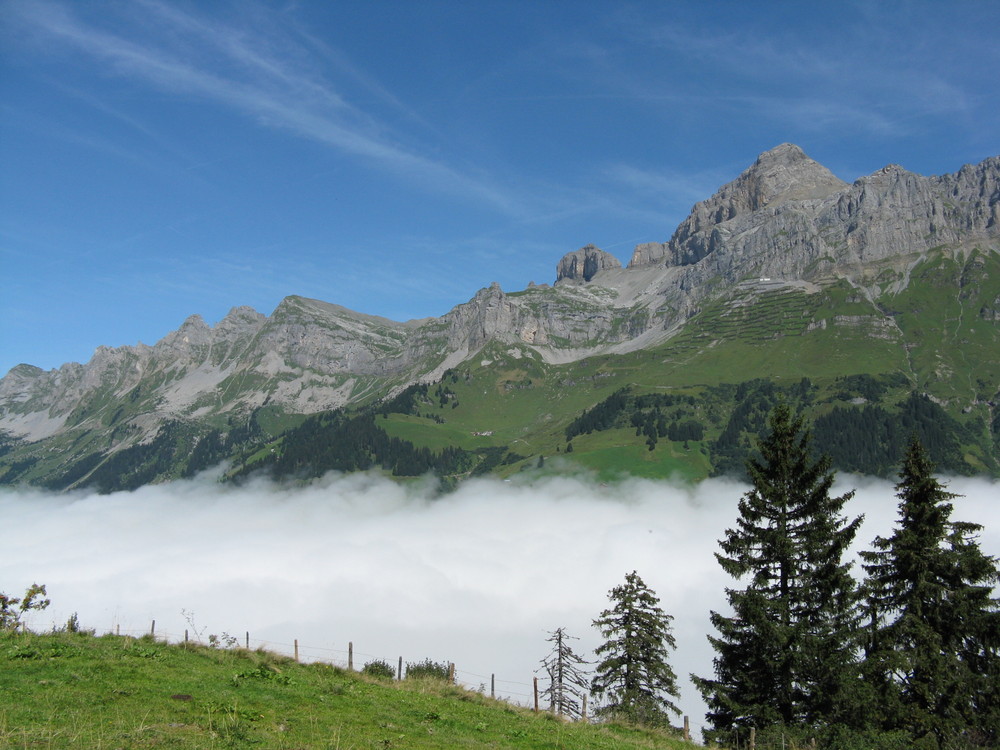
(477,577)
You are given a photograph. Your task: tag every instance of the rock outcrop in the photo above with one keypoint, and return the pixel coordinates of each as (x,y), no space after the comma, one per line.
(585,263)
(788,217)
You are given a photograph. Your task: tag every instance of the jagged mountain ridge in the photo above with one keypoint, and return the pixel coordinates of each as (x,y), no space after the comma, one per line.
(785,219)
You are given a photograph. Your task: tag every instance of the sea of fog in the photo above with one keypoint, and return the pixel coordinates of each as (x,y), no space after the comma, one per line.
(478,577)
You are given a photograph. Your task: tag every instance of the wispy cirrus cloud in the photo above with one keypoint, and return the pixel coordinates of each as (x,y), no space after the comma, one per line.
(669,187)
(263,73)
(855,75)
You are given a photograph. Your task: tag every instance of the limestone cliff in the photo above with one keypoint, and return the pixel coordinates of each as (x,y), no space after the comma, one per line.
(786,219)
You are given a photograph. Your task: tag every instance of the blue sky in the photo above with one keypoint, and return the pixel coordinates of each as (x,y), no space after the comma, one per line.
(159,159)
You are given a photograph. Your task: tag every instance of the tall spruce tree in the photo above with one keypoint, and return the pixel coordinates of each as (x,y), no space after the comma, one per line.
(567,682)
(634,675)
(786,656)
(934,646)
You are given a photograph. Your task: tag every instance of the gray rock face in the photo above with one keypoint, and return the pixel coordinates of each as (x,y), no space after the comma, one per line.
(783,174)
(648,253)
(585,263)
(785,218)
(786,213)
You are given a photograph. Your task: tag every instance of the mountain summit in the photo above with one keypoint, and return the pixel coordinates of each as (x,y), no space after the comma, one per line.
(782,174)
(785,226)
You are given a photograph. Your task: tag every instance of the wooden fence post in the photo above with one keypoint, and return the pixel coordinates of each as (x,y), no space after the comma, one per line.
(583,715)
(350,655)
(493,685)
(536,695)
(248,640)
(152,628)
(451,673)
(185,635)
(296,649)
(753,738)
(399,674)
(687,729)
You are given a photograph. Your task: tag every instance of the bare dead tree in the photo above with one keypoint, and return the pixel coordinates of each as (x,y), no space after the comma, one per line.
(567,682)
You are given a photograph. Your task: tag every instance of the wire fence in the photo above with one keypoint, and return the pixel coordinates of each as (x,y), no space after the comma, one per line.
(514,692)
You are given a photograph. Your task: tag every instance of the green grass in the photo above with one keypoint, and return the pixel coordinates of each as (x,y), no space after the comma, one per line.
(953,348)
(69,690)
(612,454)
(770,336)
(424,432)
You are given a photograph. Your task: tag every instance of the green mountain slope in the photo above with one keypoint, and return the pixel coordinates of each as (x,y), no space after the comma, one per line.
(75,690)
(869,370)
(867,374)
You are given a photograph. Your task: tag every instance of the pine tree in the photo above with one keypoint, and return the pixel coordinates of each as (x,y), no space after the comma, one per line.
(786,654)
(934,644)
(567,682)
(633,673)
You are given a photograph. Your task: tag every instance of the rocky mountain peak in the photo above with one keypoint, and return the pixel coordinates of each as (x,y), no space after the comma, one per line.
(585,263)
(784,173)
(779,176)
(240,320)
(783,152)
(22,372)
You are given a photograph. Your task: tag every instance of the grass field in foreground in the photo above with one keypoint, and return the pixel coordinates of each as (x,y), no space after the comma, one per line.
(75,690)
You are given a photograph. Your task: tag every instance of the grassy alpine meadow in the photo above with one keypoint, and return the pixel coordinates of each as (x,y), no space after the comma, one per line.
(77,690)
(613,454)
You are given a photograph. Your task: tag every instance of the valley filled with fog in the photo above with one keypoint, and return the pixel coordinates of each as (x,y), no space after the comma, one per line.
(478,576)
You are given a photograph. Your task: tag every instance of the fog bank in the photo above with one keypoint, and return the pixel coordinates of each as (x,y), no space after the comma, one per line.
(477,577)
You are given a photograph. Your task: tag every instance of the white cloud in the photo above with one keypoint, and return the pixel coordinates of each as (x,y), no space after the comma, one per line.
(477,577)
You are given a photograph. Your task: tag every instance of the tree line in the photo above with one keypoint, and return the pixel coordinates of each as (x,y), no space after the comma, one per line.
(907,657)
(340,442)
(866,438)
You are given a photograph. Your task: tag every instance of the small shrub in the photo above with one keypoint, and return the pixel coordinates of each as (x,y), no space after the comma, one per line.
(24,652)
(379,668)
(260,672)
(73,626)
(231,724)
(222,641)
(146,653)
(12,609)
(428,669)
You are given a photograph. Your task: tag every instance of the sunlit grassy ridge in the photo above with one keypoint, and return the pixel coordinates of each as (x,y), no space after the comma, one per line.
(76,690)
(923,324)
(938,336)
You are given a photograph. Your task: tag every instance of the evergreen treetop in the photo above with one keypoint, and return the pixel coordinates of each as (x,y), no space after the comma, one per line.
(786,654)
(934,639)
(633,673)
